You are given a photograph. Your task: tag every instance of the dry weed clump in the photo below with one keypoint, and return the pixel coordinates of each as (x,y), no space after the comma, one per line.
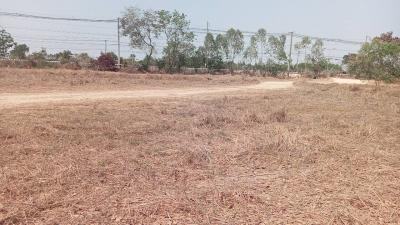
(253,118)
(354,88)
(196,158)
(280,116)
(215,121)
(237,158)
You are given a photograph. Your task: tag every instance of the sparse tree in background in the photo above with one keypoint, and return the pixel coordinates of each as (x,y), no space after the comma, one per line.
(19,51)
(277,45)
(84,60)
(199,58)
(379,60)
(251,52)
(209,47)
(143,29)
(317,59)
(39,56)
(262,45)
(278,59)
(213,53)
(304,44)
(235,44)
(64,56)
(222,46)
(6,42)
(180,48)
(347,59)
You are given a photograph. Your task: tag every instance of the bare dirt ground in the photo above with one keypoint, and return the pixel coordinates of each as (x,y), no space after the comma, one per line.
(312,154)
(341,81)
(11,100)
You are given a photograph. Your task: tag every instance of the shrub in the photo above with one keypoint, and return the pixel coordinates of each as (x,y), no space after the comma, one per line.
(379,60)
(85,61)
(106,62)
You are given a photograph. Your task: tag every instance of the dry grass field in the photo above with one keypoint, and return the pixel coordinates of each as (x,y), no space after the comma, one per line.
(50,80)
(312,154)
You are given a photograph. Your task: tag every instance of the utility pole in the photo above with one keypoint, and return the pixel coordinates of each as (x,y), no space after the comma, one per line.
(119,45)
(207,54)
(305,60)
(105,46)
(366,39)
(290,52)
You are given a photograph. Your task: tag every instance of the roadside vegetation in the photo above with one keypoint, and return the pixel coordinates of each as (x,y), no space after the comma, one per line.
(378,60)
(168,43)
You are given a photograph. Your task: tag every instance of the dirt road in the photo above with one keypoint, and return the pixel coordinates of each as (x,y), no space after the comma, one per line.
(12,100)
(335,80)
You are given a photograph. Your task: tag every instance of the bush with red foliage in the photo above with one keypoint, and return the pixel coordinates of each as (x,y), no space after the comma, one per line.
(388,37)
(106,62)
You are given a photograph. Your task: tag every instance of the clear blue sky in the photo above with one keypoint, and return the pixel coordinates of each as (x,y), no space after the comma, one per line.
(346,19)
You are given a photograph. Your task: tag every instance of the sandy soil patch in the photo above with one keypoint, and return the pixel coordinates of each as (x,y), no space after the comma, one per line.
(9,100)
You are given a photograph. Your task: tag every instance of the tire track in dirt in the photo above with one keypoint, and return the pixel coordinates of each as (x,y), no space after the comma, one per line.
(13,100)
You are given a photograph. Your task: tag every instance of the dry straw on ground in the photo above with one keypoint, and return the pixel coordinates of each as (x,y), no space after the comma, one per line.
(44,80)
(316,154)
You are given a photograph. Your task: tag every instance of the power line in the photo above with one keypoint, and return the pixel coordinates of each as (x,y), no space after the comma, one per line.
(194,29)
(60,31)
(61,40)
(338,49)
(330,39)
(69,41)
(246,33)
(56,18)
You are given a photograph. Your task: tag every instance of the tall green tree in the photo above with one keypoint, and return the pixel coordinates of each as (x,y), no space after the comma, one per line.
(64,56)
(210,48)
(19,51)
(213,53)
(39,55)
(209,43)
(304,45)
(143,29)
(277,45)
(6,42)
(180,48)
(235,42)
(262,45)
(251,52)
(234,45)
(317,57)
(199,58)
(222,46)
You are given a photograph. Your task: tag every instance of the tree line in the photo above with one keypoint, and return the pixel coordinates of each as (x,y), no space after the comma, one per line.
(259,54)
(264,53)
(148,29)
